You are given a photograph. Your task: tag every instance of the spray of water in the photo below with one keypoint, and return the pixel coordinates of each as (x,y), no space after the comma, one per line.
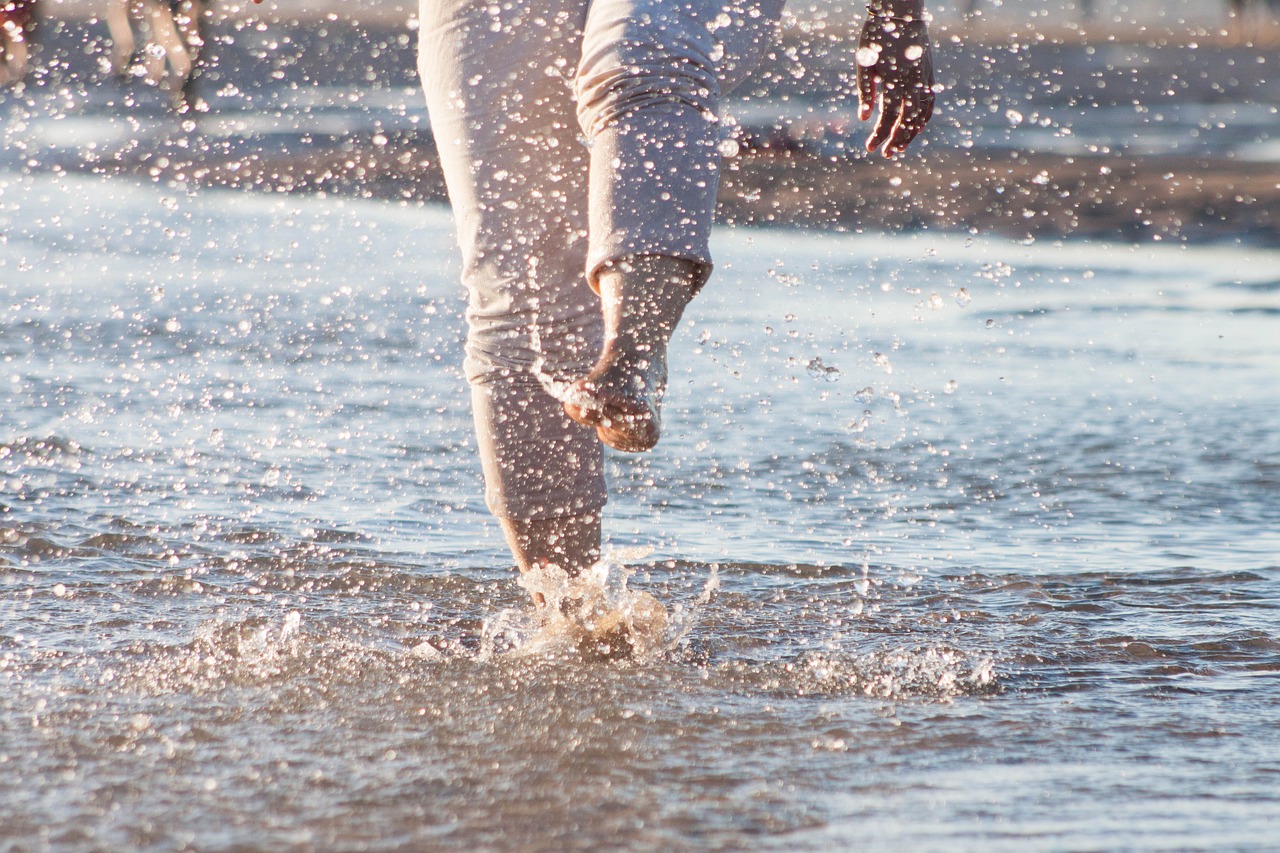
(595,615)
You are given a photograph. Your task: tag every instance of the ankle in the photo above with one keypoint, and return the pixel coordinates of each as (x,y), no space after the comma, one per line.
(655,279)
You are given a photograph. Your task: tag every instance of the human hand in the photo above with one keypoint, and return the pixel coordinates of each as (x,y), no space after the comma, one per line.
(895,71)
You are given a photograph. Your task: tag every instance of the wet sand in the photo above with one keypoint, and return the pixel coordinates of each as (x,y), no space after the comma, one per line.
(974,173)
(1013,194)
(1021,195)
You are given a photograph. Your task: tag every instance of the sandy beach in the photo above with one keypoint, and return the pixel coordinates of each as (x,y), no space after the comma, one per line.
(1129,199)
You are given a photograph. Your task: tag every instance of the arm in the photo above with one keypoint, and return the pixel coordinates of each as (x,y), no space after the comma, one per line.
(895,71)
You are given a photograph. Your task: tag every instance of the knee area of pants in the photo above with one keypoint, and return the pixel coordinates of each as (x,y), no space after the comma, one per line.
(628,81)
(496,376)
(524,362)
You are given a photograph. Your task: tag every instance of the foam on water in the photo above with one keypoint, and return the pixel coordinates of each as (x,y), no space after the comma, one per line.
(902,673)
(595,614)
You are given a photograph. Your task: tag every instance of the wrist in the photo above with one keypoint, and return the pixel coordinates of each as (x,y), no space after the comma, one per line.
(897,10)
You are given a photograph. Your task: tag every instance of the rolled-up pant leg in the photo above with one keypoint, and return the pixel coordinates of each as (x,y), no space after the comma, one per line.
(498,79)
(513,91)
(649,85)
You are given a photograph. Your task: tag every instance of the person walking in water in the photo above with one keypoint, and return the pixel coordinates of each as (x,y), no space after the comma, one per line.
(17,22)
(175,29)
(580,145)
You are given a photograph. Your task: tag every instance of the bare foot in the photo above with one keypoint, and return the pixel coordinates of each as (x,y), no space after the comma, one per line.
(642,298)
(621,397)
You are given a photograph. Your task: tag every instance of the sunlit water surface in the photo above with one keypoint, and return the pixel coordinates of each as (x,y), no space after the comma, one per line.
(973,546)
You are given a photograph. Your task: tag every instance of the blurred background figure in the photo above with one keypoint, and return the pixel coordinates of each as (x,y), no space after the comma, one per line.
(172,35)
(17,20)
(1238,11)
(1086,8)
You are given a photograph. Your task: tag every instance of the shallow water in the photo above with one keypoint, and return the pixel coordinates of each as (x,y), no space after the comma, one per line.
(305,86)
(977,544)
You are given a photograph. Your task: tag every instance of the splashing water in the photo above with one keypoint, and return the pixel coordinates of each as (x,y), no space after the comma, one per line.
(594,614)
(1008,602)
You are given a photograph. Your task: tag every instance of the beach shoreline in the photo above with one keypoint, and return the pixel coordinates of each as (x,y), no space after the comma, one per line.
(993,25)
(1012,194)
(1129,137)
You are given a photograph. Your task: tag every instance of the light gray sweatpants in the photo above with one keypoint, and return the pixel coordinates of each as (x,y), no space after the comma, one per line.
(572,133)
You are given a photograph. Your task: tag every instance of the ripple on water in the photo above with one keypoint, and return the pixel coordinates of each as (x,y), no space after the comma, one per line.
(311,664)
(250,597)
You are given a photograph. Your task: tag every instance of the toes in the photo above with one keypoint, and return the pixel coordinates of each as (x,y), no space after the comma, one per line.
(627,442)
(624,424)
(582,404)
(585,415)
(629,433)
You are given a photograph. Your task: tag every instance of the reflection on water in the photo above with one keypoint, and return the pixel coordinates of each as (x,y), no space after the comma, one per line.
(949,544)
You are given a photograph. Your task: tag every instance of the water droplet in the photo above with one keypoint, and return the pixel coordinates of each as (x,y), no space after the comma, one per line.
(868,55)
(963,298)
(818,370)
(913,53)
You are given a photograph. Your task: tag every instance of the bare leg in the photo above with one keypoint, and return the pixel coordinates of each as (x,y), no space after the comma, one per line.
(18,59)
(13,54)
(571,542)
(167,35)
(643,298)
(122,42)
(4,57)
(191,26)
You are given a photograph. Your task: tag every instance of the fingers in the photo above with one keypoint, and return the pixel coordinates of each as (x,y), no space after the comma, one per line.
(900,137)
(895,79)
(866,92)
(915,114)
(901,119)
(885,124)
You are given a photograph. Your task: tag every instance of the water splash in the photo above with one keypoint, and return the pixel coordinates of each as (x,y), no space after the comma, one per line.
(936,673)
(926,673)
(594,615)
(817,369)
